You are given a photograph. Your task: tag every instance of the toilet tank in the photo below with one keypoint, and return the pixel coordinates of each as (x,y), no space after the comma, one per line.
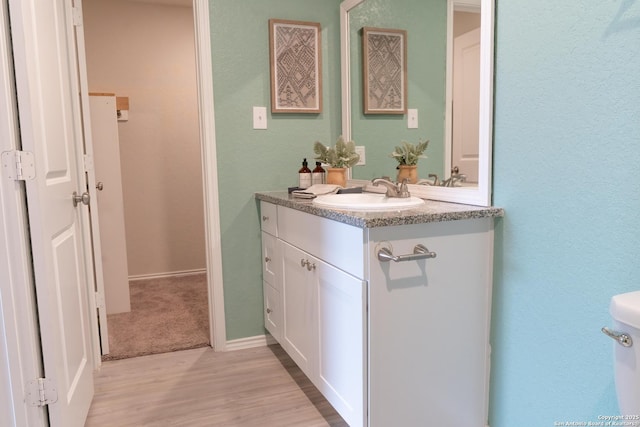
(625,310)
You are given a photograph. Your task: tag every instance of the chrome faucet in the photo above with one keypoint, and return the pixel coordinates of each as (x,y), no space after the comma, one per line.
(453,179)
(393,190)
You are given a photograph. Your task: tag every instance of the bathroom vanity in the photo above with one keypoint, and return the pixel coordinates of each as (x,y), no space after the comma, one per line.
(387,342)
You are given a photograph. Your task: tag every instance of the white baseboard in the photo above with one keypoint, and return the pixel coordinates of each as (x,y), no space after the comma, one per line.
(250,342)
(167,274)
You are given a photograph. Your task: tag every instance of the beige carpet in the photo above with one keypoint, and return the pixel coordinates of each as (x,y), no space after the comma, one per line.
(166,315)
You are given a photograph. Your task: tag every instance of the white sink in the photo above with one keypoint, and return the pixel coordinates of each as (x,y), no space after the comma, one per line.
(366,202)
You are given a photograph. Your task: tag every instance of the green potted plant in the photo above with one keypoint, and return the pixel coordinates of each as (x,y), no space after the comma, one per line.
(339,157)
(407,156)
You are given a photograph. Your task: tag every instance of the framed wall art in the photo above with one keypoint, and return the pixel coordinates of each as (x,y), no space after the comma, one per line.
(296,64)
(384,68)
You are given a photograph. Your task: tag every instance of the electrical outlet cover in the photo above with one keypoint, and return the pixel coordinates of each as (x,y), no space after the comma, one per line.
(412,118)
(259,117)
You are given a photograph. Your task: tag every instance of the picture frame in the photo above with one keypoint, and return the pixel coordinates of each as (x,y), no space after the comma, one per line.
(384,68)
(296,66)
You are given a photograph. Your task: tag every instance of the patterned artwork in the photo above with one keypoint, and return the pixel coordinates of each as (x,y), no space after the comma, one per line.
(385,71)
(296,85)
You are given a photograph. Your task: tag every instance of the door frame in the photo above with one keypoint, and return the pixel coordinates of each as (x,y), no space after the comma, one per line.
(206,123)
(213,242)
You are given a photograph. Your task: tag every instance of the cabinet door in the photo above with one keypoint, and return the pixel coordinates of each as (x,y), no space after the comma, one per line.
(341,341)
(299,297)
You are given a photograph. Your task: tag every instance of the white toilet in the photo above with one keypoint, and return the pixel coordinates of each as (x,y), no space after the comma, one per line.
(625,310)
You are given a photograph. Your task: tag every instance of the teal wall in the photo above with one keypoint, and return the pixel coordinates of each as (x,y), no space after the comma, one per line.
(259,160)
(566,156)
(426,25)
(566,170)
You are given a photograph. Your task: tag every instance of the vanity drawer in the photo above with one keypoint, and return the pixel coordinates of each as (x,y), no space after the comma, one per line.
(269,218)
(337,243)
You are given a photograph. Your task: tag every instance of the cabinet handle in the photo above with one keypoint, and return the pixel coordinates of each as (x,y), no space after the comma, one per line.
(306,263)
(265,218)
(268,311)
(267,259)
(419,252)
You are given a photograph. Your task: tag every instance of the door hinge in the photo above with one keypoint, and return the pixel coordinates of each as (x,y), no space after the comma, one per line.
(18,165)
(99,301)
(77,16)
(41,392)
(88,163)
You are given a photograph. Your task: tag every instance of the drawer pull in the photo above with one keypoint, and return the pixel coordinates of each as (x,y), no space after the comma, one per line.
(265,218)
(419,252)
(268,311)
(267,259)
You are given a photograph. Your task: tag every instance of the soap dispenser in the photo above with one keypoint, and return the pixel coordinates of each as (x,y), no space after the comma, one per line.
(304,175)
(318,175)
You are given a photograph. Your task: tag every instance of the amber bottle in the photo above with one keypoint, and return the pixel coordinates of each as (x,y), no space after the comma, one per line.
(318,174)
(304,175)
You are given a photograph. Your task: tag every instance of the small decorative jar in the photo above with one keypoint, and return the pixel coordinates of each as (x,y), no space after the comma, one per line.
(337,176)
(410,172)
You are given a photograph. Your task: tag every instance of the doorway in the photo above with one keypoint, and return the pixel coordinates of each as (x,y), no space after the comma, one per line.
(144,51)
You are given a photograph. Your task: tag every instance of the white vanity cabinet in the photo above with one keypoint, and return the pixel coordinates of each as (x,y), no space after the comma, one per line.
(387,343)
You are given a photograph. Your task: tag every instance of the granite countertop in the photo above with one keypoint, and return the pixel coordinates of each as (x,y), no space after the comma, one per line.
(431,211)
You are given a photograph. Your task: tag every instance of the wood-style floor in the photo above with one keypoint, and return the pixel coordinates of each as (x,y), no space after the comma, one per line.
(254,387)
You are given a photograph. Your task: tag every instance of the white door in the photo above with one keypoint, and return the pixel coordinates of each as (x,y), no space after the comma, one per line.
(51,128)
(466,104)
(93,250)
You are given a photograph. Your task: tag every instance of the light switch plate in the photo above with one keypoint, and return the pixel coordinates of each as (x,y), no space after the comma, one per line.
(412,118)
(259,117)
(361,151)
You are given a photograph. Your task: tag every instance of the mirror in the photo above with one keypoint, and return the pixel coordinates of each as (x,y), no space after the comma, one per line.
(430,28)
